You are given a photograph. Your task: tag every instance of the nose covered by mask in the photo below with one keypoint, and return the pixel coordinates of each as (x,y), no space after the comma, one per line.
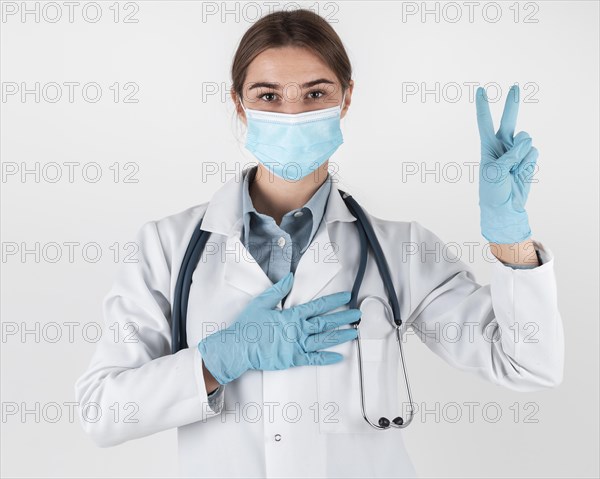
(293,145)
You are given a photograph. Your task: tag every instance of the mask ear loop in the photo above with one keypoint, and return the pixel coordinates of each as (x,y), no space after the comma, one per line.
(243,108)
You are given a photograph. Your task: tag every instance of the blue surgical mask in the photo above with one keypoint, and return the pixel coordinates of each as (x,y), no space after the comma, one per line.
(292,146)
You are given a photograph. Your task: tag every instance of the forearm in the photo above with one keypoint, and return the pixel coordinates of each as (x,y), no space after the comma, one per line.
(109,381)
(517,253)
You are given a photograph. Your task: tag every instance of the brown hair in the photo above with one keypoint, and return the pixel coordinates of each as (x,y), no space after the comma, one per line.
(301,28)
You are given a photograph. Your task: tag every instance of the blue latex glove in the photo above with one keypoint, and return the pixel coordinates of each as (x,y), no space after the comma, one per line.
(505,173)
(265,338)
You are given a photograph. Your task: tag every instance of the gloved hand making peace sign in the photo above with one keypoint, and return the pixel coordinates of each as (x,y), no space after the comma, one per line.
(505,172)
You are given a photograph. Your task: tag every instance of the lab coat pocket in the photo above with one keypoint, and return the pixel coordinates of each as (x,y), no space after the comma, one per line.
(338,387)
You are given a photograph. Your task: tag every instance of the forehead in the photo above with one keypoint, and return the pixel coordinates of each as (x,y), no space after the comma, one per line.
(294,64)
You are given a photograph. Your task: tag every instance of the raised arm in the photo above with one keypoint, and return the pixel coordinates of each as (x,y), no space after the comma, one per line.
(509,332)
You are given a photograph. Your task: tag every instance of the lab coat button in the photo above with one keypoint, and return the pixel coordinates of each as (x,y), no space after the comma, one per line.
(281,242)
(297,214)
(278,437)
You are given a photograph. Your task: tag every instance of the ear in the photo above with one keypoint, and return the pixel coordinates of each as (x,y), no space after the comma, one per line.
(236,102)
(347,99)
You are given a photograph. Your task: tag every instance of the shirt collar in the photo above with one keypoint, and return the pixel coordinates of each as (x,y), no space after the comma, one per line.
(316,204)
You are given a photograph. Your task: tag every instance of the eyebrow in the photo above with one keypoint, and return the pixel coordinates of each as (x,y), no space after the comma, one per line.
(277,86)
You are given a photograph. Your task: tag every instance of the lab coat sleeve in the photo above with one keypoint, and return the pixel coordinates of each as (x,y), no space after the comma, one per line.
(134,386)
(526,266)
(509,332)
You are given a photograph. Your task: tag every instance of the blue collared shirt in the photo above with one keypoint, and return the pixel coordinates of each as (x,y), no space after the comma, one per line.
(278,248)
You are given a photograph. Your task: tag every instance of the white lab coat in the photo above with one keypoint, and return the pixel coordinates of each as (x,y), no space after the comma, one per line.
(305,421)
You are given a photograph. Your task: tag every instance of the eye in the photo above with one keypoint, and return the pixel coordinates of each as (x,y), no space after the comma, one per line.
(313,94)
(271,97)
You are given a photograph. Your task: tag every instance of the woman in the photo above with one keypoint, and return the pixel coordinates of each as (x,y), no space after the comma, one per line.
(268,386)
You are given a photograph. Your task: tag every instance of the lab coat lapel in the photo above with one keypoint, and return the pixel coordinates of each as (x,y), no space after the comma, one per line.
(224,217)
(317,267)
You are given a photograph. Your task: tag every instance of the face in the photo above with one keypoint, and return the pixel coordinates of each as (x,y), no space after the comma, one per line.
(290,80)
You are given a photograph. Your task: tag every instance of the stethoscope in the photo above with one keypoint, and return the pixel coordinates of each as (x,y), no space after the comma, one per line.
(367,238)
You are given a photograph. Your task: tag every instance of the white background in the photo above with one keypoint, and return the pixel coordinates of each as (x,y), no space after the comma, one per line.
(174,53)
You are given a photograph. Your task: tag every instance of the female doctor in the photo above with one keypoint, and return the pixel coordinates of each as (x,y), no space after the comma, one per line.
(269,386)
